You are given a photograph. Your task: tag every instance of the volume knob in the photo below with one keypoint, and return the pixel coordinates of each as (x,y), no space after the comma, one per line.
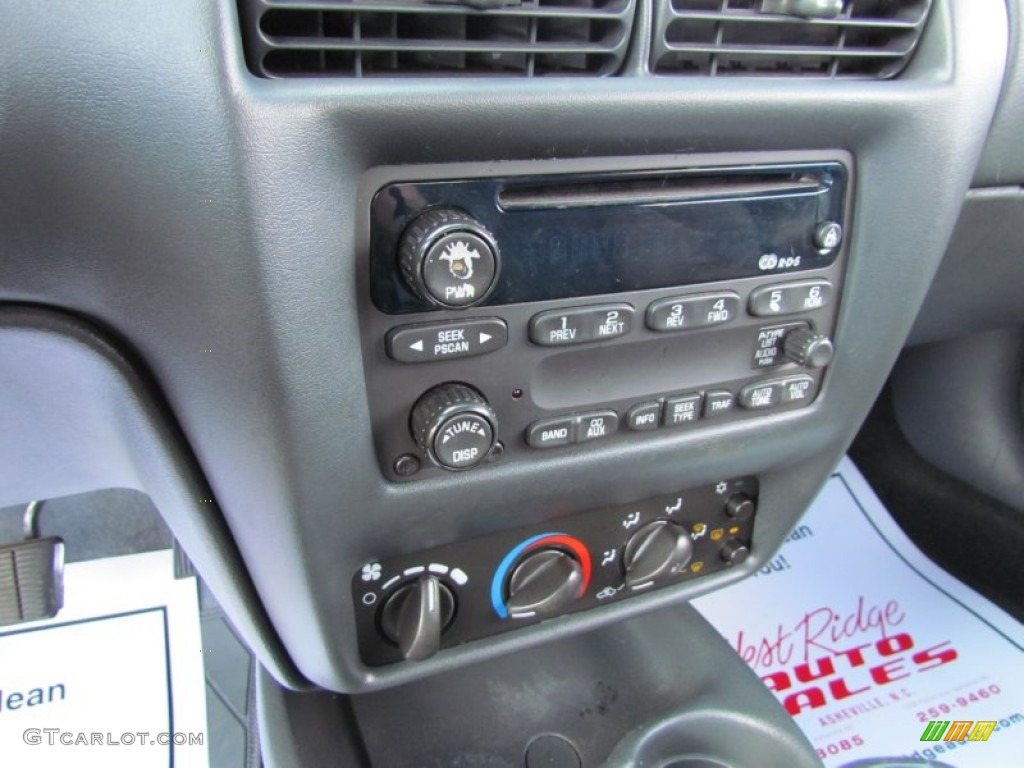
(454,425)
(448,258)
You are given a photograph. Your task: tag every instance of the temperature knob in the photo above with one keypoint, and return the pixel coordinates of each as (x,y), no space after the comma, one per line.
(541,577)
(809,349)
(448,258)
(544,583)
(656,550)
(415,615)
(454,426)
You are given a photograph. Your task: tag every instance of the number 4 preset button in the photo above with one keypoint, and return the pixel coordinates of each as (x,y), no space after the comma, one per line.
(684,313)
(580,325)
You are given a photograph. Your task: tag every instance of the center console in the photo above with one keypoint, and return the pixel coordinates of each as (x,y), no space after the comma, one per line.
(516,318)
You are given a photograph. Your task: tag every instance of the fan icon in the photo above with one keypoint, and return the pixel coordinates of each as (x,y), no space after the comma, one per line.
(371,572)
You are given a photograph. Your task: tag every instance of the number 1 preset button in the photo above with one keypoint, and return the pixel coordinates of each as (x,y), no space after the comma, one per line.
(581,325)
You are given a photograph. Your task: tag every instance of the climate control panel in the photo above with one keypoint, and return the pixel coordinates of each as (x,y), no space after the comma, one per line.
(411,606)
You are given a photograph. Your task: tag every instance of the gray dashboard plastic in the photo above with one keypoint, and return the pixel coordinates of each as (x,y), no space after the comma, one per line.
(1003,159)
(676,694)
(153,185)
(80,415)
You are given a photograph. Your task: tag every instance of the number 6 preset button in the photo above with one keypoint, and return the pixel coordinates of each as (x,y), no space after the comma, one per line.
(580,325)
(684,313)
(789,298)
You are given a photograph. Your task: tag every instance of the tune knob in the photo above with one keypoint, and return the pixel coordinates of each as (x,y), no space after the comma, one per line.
(448,258)
(809,349)
(454,426)
(544,583)
(656,550)
(415,616)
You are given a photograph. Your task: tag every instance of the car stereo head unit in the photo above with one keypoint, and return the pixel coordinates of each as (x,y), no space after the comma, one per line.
(519,317)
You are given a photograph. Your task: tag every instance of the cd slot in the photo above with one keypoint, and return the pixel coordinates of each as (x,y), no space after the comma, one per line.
(656,190)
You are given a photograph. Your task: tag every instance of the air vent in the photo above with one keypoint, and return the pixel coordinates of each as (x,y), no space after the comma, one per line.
(866,39)
(368,38)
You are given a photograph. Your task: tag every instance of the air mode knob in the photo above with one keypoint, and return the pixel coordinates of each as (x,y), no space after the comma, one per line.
(656,551)
(454,426)
(448,258)
(809,349)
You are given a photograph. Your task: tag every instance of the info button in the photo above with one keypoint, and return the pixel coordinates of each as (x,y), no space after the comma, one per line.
(428,342)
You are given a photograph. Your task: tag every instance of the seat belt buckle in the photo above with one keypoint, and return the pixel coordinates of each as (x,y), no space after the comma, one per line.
(31,574)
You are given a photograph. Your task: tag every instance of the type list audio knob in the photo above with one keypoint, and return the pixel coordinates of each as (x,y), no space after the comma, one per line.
(448,258)
(454,425)
(809,349)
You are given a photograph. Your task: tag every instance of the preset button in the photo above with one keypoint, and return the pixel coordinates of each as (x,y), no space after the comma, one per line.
(580,325)
(683,313)
(788,298)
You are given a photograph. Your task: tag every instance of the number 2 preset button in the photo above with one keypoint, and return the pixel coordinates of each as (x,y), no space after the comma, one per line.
(685,313)
(580,325)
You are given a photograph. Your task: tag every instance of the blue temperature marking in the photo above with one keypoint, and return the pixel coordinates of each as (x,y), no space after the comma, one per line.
(499,575)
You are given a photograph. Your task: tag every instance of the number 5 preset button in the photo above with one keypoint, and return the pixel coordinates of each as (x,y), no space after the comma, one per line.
(684,313)
(789,298)
(580,325)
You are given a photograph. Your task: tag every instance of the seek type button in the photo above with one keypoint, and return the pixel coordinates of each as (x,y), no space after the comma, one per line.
(682,410)
(427,342)
(581,325)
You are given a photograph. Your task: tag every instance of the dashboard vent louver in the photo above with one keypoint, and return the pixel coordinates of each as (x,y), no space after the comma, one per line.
(369,38)
(867,39)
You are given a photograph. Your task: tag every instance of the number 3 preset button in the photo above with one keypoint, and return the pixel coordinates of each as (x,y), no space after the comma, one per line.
(684,313)
(580,325)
